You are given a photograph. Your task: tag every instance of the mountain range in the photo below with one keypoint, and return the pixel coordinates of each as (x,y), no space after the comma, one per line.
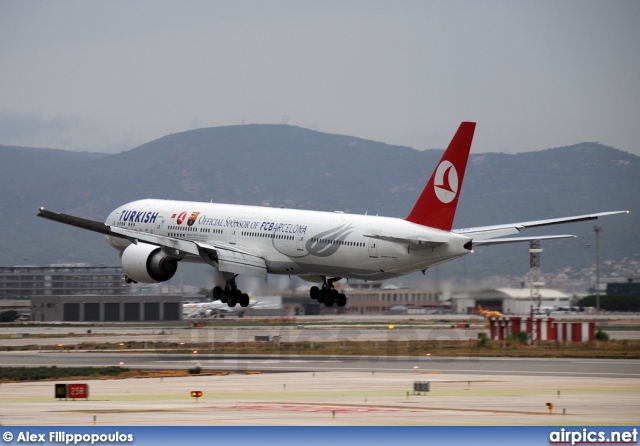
(287,166)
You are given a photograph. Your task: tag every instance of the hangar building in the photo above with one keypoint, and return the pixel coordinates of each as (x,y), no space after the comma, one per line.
(96,308)
(508,300)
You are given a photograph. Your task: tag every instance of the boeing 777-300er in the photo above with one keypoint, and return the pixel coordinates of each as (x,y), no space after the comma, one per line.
(153,236)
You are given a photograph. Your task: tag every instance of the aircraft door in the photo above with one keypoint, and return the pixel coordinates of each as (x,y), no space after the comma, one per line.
(373,247)
(300,242)
(232,236)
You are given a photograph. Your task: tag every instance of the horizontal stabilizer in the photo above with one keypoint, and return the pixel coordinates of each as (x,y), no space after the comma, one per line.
(490,232)
(499,241)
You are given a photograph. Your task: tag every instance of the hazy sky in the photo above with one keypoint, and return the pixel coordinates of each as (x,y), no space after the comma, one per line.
(110,75)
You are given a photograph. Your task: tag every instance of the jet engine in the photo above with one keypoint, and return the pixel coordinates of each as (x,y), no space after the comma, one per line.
(147,263)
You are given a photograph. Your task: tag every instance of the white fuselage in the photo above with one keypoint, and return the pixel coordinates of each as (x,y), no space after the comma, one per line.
(296,242)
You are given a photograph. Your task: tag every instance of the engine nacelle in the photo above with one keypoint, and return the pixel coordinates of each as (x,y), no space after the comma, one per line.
(147,263)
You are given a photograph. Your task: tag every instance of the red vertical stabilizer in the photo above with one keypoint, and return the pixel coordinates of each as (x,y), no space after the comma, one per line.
(437,204)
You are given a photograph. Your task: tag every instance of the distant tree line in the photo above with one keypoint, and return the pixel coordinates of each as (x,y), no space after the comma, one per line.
(9,316)
(53,372)
(612,302)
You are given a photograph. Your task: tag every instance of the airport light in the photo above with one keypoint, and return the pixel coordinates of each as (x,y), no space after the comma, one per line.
(597,230)
(196,394)
(391,327)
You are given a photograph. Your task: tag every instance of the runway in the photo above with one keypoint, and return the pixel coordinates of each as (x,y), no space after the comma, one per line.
(287,389)
(328,333)
(69,336)
(351,398)
(551,367)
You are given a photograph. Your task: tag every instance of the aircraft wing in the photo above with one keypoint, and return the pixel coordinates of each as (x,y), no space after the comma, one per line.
(172,245)
(229,258)
(79,222)
(489,235)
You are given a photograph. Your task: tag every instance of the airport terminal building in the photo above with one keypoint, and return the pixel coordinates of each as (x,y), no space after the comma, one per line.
(25,282)
(83,293)
(377,298)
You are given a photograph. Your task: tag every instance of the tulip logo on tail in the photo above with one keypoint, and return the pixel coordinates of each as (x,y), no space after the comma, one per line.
(446,182)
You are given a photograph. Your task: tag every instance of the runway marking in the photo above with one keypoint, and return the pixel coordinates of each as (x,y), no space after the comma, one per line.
(629,361)
(317,409)
(346,409)
(116,411)
(574,373)
(246,361)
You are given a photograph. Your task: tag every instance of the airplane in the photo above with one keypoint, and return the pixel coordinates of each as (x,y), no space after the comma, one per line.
(154,236)
(488,313)
(216,308)
(210,309)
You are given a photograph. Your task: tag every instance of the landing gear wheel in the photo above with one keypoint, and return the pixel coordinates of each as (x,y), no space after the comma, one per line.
(329,298)
(328,294)
(231,295)
(217,293)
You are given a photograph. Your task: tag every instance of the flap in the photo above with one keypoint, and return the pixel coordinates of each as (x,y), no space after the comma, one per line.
(241,263)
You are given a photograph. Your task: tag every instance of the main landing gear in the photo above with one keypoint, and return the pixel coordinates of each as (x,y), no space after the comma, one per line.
(327,294)
(231,295)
